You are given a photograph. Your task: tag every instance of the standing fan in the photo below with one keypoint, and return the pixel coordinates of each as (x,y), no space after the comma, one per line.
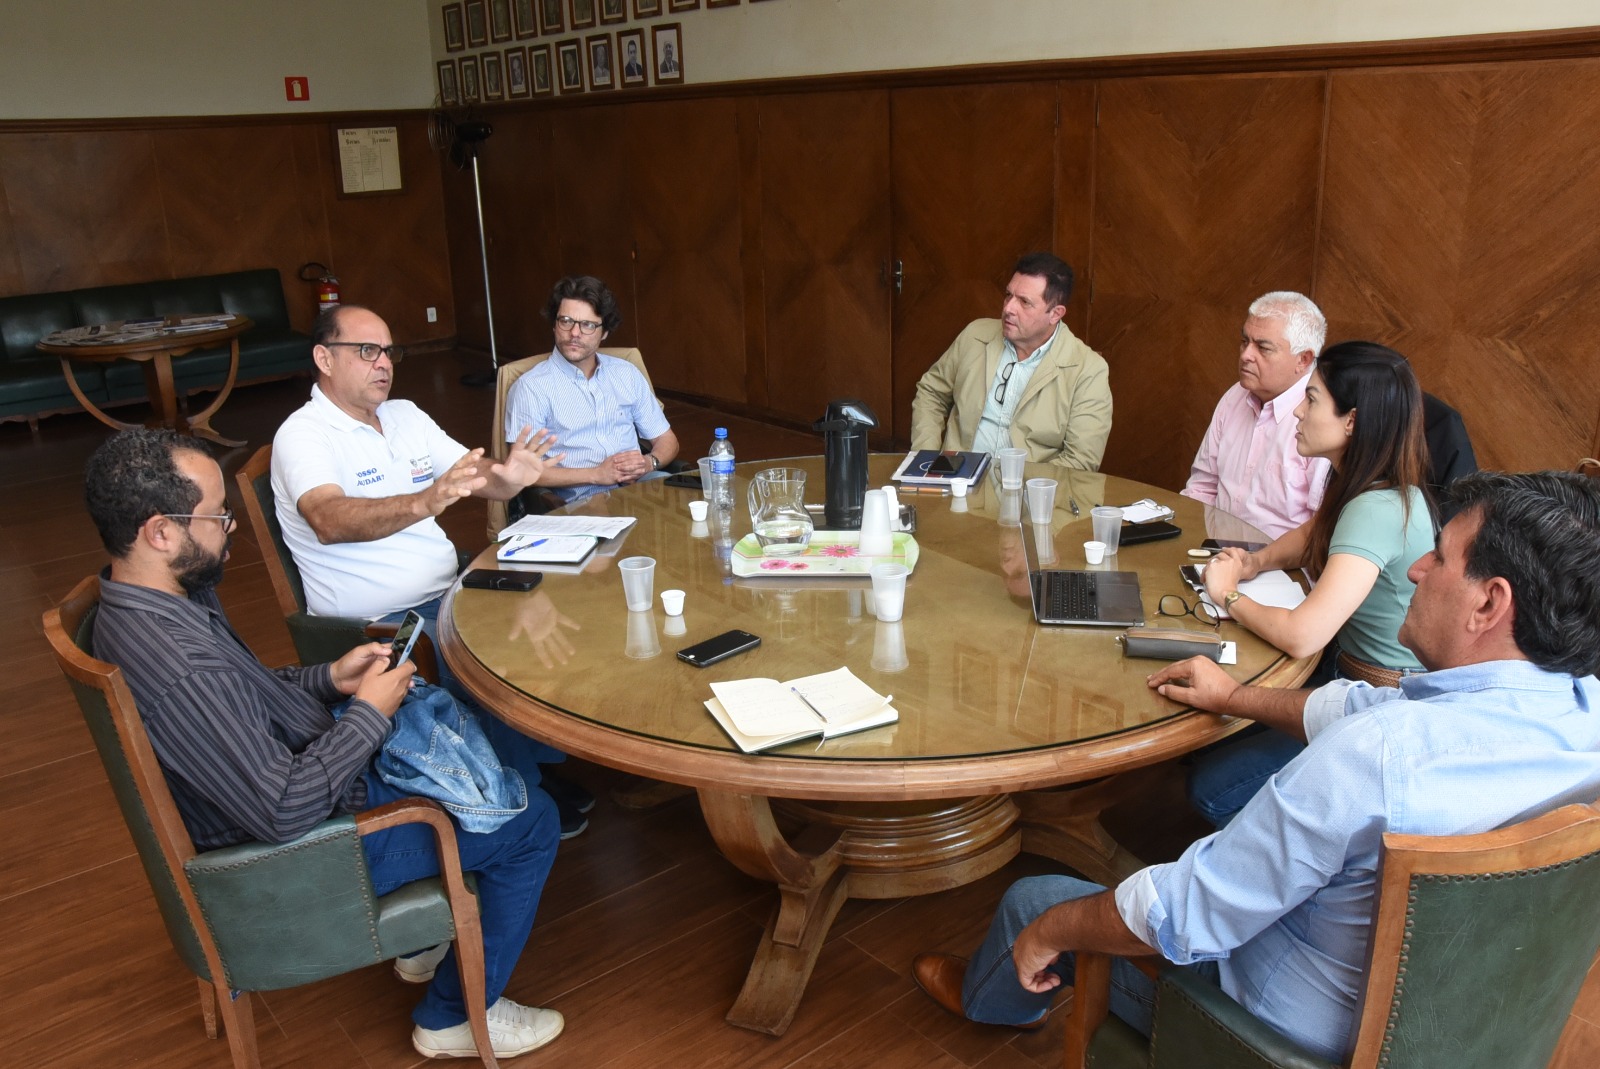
(463,141)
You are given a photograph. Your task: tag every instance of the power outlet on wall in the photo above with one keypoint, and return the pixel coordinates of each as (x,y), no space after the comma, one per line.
(433,315)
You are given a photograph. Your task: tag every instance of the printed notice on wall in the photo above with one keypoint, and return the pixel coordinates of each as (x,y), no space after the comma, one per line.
(369,159)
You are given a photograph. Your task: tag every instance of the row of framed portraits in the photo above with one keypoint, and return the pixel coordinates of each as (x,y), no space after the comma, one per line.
(597,62)
(475,23)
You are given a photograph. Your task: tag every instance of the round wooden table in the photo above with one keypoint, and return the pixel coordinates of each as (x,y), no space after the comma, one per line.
(155,355)
(997,714)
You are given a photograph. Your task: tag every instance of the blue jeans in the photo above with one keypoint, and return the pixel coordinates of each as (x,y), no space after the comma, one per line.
(992,993)
(511,863)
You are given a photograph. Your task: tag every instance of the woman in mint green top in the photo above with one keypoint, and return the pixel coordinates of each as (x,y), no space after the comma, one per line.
(1363,412)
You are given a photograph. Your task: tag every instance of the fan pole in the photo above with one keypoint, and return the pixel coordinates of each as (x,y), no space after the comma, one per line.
(473,135)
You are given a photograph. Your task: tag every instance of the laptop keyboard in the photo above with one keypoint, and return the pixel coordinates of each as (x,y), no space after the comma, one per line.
(1067,596)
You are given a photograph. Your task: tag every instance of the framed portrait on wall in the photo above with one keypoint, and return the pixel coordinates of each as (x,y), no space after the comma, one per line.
(500,20)
(569,66)
(470,92)
(477,24)
(449,92)
(551,17)
(582,12)
(666,47)
(516,72)
(539,68)
(722,3)
(683,5)
(613,11)
(455,34)
(527,22)
(631,55)
(646,9)
(602,68)
(494,86)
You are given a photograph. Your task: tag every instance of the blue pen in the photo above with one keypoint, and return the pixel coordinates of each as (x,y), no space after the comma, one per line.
(530,545)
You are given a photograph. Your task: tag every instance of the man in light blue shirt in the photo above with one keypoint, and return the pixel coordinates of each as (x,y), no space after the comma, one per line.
(1276,907)
(597,406)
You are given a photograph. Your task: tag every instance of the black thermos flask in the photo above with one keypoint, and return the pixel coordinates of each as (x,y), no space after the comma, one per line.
(844,452)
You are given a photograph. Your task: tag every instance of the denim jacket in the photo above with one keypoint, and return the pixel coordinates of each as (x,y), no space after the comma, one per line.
(438,750)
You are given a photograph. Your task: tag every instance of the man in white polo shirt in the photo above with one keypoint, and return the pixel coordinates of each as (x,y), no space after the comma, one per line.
(598,406)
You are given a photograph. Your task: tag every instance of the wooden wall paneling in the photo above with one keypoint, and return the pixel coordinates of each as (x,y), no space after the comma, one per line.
(686,222)
(11,276)
(1204,199)
(1074,196)
(752,252)
(824,225)
(1468,241)
(390,252)
(86,207)
(973,169)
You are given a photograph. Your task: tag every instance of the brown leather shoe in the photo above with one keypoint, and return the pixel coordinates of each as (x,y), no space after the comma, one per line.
(940,976)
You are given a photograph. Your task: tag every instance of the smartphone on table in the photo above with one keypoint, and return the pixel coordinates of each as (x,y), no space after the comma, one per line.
(404,639)
(495,579)
(945,464)
(712,650)
(1218,544)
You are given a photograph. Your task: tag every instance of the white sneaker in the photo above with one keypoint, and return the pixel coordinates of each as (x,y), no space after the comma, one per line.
(419,968)
(513,1029)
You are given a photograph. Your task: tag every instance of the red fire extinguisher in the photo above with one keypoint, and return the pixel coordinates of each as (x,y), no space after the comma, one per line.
(327,285)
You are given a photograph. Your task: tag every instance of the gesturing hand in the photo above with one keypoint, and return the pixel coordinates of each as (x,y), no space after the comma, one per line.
(460,480)
(527,458)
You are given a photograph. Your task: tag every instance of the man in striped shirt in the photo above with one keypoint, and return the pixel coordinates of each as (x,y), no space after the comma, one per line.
(254,754)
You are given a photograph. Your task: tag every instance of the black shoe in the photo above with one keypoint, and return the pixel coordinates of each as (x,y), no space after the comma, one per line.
(567,794)
(572,822)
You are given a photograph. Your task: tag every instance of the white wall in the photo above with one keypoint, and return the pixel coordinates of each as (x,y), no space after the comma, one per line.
(73,59)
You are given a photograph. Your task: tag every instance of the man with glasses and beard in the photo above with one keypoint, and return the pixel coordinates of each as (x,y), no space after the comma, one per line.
(255,754)
(597,406)
(1023,380)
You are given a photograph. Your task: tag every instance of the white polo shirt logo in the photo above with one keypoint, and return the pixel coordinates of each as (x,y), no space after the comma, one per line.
(422,470)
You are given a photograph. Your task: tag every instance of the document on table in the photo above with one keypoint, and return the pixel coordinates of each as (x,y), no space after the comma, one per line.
(594,526)
(1276,588)
(761,713)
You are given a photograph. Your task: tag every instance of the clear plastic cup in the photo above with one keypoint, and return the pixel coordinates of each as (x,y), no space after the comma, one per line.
(889,591)
(1107,526)
(1011,461)
(1041,499)
(638,582)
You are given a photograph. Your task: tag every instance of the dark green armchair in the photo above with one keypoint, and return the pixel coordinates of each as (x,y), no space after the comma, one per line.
(262,916)
(1480,945)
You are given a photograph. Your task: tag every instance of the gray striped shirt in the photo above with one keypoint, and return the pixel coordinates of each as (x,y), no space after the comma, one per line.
(249,753)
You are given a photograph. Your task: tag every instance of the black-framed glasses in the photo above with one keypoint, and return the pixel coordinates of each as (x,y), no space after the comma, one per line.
(1005,380)
(370,351)
(1175,605)
(582,326)
(225,517)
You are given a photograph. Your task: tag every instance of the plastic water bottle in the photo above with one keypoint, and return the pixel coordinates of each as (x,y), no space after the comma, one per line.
(721,454)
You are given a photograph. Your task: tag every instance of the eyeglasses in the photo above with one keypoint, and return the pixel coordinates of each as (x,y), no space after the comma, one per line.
(1174,605)
(582,326)
(370,351)
(225,517)
(1005,380)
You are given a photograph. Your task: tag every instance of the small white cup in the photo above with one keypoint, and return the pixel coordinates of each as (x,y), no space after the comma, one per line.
(958,487)
(638,581)
(1094,552)
(672,602)
(889,591)
(698,509)
(1011,461)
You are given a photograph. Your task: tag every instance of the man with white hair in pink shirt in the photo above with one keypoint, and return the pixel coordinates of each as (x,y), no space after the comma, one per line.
(1247,464)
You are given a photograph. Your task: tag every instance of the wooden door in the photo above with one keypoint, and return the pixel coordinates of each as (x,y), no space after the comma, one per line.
(974,184)
(1205,198)
(824,180)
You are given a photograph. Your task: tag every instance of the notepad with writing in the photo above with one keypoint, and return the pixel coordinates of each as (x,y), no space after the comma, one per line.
(531,550)
(759,714)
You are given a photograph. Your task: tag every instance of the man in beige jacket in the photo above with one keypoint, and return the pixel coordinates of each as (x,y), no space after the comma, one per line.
(1021,380)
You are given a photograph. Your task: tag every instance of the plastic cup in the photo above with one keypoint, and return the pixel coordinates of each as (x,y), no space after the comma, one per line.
(642,640)
(889,591)
(1094,552)
(638,582)
(698,509)
(893,500)
(705,478)
(876,540)
(1107,526)
(1011,461)
(672,602)
(889,648)
(1041,499)
(958,487)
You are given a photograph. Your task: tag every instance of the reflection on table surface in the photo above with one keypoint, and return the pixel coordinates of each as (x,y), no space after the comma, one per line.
(970,671)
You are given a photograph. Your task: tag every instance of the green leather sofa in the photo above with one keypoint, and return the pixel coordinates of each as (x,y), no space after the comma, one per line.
(31,384)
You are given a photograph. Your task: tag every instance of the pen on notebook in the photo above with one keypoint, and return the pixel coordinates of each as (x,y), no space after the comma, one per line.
(813,708)
(531,545)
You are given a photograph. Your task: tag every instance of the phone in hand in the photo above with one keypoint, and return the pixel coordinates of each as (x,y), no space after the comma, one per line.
(707,653)
(405,638)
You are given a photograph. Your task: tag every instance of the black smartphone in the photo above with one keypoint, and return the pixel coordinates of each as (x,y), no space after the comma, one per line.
(1191,575)
(945,464)
(405,638)
(1215,544)
(707,653)
(689,480)
(1134,533)
(494,579)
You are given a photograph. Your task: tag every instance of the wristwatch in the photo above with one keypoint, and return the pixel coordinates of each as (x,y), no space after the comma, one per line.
(655,465)
(1229,598)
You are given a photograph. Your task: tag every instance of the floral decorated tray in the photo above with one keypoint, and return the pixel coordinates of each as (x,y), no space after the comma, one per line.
(831,554)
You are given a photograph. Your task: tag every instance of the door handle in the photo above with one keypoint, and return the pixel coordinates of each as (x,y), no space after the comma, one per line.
(899,276)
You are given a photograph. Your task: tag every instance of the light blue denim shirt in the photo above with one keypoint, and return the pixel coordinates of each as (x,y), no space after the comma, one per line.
(1282,896)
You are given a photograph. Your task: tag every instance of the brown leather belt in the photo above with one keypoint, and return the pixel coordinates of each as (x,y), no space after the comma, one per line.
(1368,673)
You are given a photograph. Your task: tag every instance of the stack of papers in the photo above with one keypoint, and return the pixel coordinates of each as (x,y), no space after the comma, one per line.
(1275,588)
(592,526)
(759,714)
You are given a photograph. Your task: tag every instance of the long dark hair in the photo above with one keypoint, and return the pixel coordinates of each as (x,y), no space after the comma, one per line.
(1387,450)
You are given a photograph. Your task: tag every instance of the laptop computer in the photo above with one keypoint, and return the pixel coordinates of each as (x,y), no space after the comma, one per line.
(1067,598)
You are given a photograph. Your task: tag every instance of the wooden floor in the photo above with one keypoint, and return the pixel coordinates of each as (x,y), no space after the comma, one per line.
(644,932)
